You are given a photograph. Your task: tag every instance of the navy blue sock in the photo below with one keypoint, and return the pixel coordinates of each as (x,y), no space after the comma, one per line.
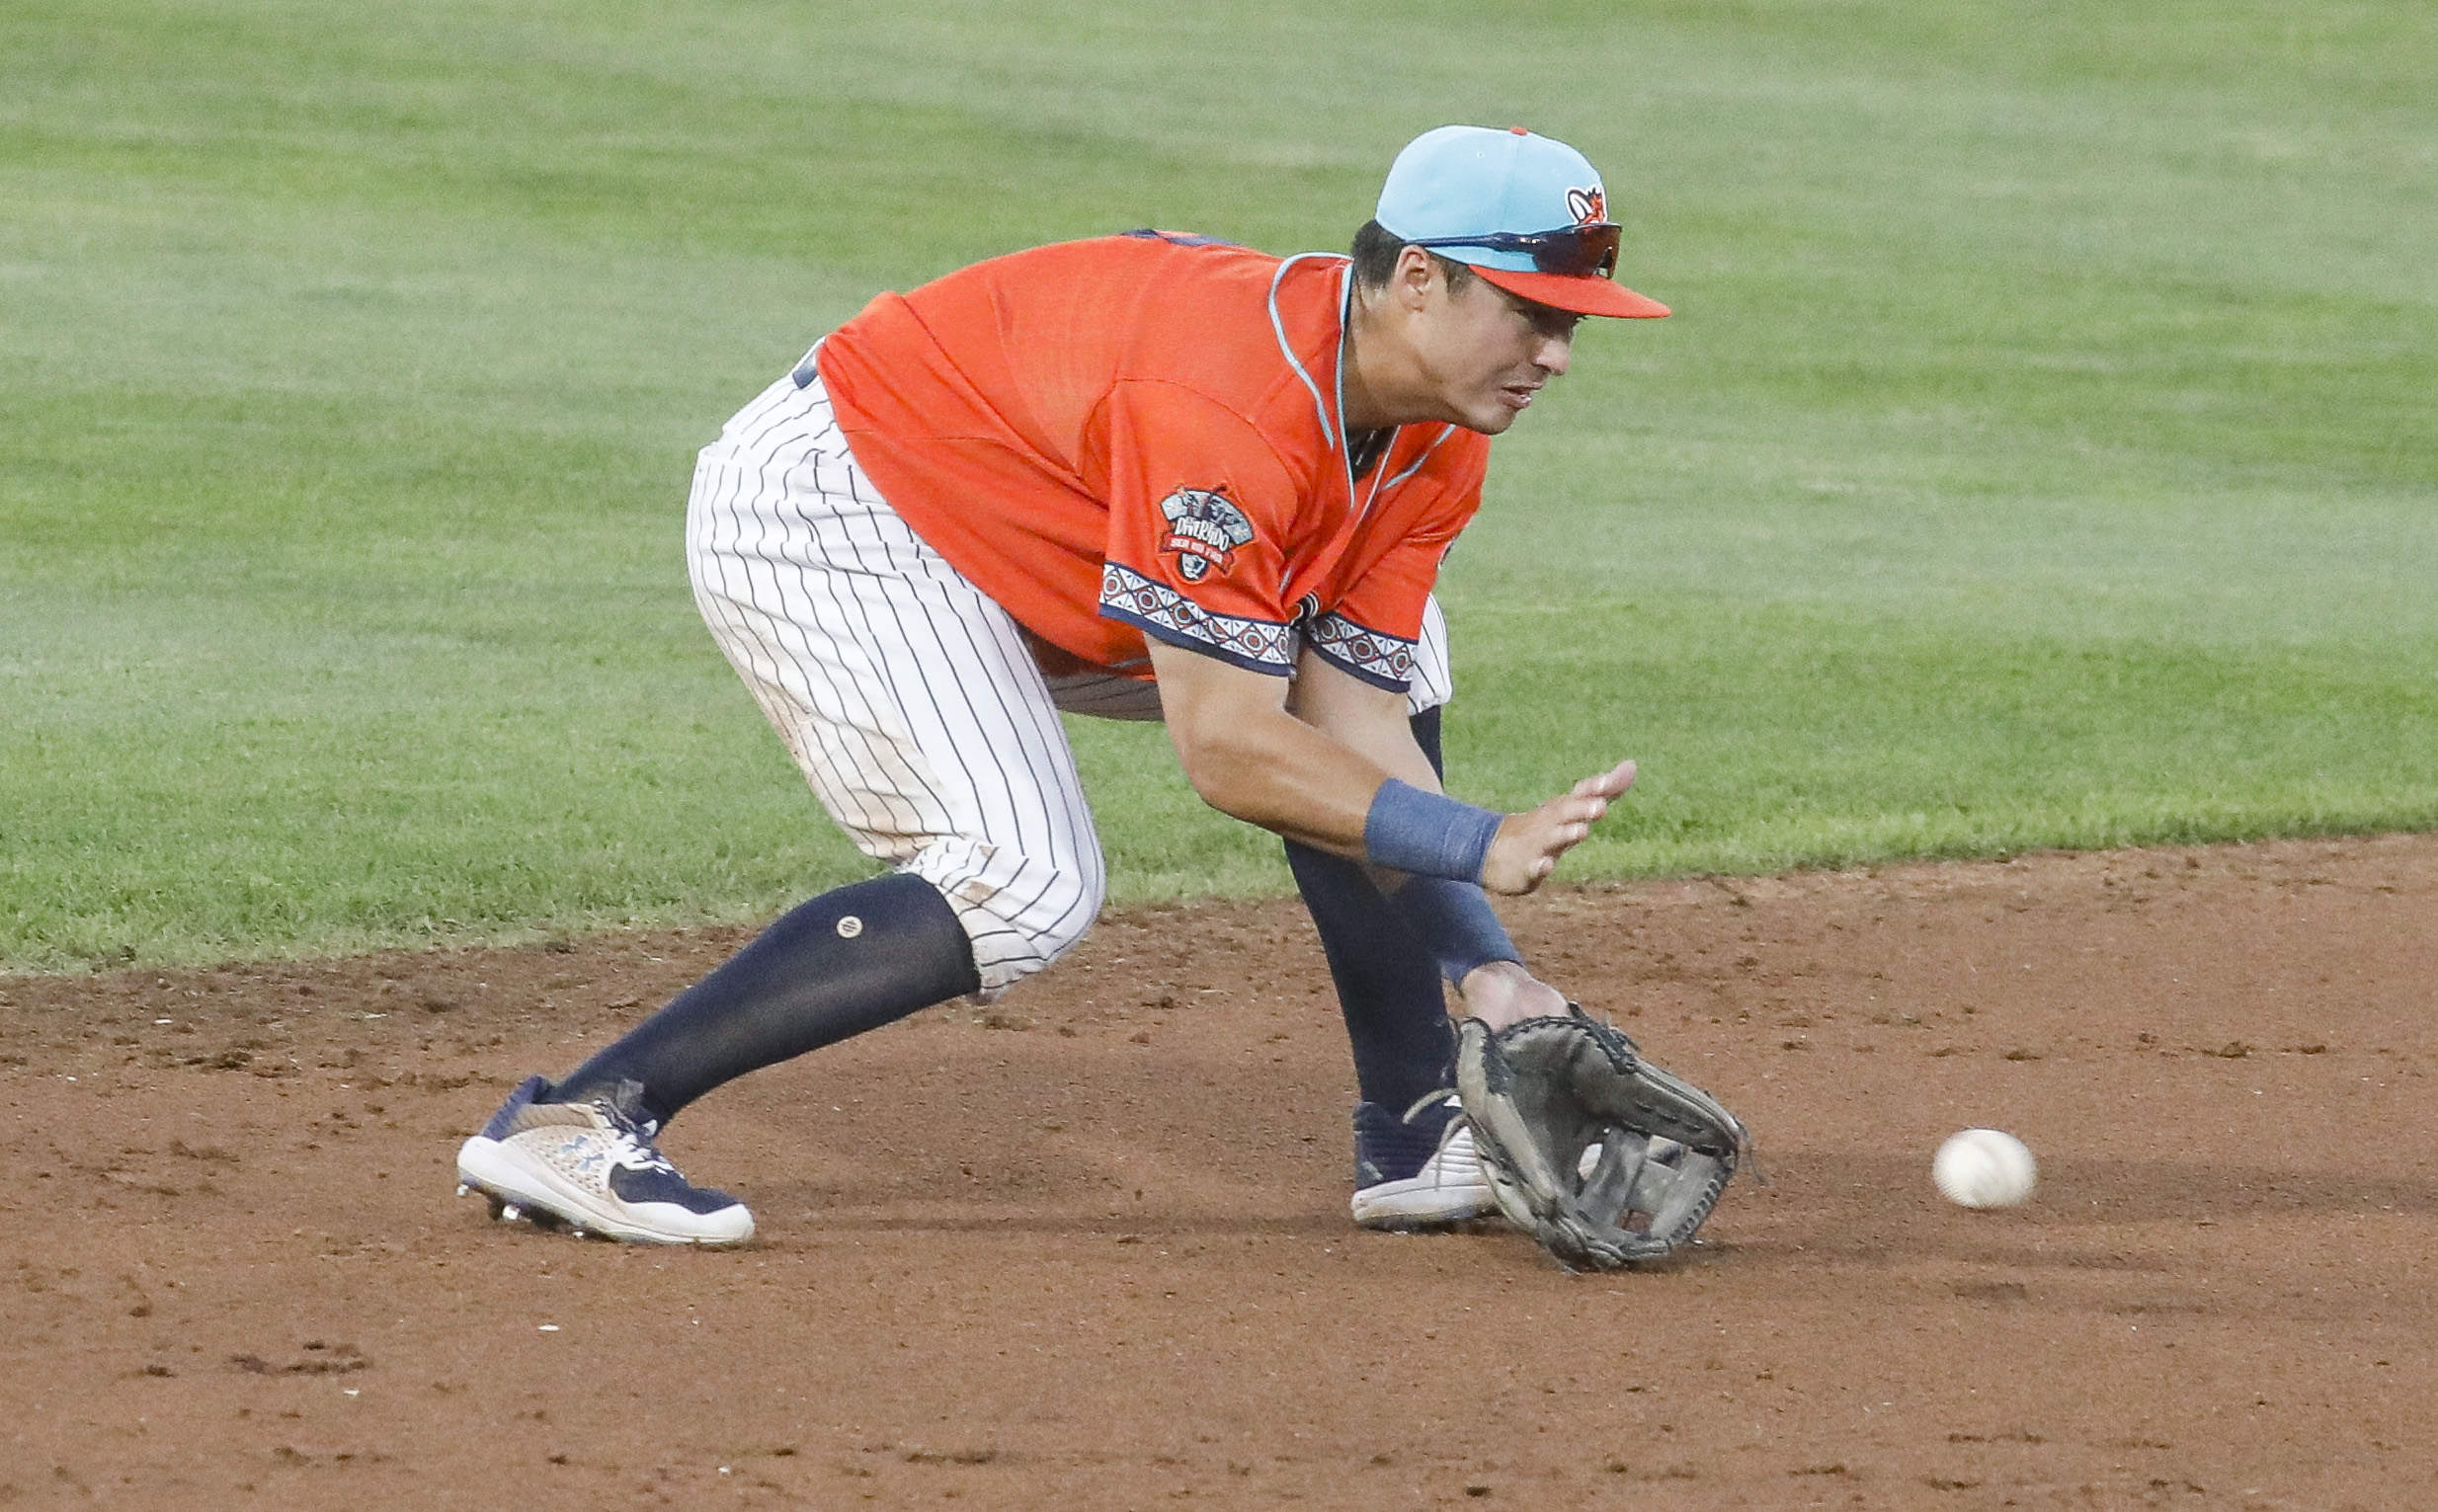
(1387,978)
(851,960)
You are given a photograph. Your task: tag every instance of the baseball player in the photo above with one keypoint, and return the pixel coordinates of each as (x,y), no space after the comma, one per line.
(1142,476)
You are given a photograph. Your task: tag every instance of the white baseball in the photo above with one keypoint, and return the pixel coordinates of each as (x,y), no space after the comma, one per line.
(1985,1168)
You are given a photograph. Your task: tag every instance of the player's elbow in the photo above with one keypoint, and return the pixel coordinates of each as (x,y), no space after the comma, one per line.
(1226,723)
(1224,766)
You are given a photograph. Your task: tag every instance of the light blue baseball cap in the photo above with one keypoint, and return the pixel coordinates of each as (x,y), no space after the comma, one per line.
(1528,214)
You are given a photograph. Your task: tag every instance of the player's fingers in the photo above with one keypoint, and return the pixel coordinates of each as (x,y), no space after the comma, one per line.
(1561,838)
(1578,810)
(1553,828)
(1607,784)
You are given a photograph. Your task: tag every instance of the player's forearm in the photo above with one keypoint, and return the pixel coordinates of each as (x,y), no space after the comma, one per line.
(1315,774)
(1270,768)
(1251,759)
(1368,720)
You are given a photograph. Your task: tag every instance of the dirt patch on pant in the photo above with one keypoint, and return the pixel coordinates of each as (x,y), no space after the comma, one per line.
(1088,1248)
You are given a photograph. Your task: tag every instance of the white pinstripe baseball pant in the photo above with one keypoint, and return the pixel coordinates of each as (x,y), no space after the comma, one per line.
(906,694)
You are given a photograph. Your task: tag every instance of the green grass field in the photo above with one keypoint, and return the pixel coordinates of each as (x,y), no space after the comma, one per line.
(2043,454)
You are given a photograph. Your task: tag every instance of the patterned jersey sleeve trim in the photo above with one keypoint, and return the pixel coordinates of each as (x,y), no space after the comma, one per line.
(1164,613)
(1376,656)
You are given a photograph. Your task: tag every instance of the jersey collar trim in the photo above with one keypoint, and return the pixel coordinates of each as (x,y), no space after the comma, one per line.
(1332,426)
(1286,349)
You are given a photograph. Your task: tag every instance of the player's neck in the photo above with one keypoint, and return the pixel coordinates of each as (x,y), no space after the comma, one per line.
(1376,365)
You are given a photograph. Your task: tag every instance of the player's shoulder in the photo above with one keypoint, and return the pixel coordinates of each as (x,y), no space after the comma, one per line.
(1193,331)
(1247,330)
(1135,294)
(1135,257)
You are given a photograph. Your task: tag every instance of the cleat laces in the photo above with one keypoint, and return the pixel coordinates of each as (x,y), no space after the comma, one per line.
(630,1143)
(1438,1164)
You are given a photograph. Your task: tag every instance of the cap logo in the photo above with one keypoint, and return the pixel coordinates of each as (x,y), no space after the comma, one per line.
(1588,206)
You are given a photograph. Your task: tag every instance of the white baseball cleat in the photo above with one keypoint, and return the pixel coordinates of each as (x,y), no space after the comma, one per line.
(1419,1171)
(593,1168)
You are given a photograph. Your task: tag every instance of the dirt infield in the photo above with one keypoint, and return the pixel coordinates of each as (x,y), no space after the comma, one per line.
(1087,1249)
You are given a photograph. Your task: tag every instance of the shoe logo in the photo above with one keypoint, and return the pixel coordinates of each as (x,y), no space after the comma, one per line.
(849,927)
(590,1154)
(582,1155)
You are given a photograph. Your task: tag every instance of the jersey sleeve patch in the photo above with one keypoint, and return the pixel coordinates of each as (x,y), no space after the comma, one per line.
(1205,529)
(1375,656)
(1164,613)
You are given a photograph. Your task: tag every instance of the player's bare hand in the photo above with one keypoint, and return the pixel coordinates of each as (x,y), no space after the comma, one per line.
(1503,993)
(1528,844)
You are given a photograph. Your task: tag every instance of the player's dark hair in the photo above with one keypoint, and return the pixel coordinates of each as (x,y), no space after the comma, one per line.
(1375,253)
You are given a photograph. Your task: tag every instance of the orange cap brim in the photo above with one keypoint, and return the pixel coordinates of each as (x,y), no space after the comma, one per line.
(1583,297)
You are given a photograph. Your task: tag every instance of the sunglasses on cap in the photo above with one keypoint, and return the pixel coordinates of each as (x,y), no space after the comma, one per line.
(1576,252)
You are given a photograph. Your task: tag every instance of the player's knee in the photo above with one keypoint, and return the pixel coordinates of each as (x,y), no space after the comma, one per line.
(1057,918)
(1020,917)
(1079,904)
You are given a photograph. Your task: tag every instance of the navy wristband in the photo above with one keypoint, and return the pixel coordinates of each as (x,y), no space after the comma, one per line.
(1429,835)
(1456,918)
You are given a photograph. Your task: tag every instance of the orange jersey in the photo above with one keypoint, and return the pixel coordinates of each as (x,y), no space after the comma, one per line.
(1139,435)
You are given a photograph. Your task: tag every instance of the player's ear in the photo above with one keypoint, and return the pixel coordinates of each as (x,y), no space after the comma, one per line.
(1414,274)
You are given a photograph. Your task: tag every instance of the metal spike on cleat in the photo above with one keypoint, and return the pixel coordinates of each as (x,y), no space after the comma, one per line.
(511,1211)
(463,1189)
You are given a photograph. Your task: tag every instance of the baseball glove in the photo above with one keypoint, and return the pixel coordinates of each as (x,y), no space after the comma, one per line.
(1602,1156)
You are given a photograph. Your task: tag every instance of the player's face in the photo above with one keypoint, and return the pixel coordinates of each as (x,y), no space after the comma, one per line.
(1487,354)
